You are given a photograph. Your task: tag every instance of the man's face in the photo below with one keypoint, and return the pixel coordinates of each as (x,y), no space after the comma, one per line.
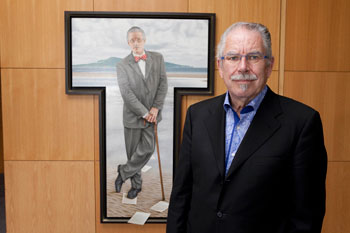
(136,42)
(243,41)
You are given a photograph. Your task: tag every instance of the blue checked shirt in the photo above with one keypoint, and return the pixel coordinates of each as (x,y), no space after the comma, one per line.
(236,127)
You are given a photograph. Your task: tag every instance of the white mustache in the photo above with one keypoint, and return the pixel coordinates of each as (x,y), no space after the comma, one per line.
(238,77)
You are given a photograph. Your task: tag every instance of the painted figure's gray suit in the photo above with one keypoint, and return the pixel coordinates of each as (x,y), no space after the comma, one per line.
(140,93)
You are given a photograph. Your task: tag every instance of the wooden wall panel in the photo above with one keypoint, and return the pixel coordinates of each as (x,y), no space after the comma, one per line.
(338,198)
(40,121)
(273,81)
(318,35)
(141,5)
(329,93)
(33,31)
(53,197)
(229,11)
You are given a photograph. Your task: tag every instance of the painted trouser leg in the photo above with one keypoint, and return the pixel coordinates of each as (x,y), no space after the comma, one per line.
(140,145)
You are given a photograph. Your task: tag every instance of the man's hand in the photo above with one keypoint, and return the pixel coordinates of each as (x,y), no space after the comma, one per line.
(152,115)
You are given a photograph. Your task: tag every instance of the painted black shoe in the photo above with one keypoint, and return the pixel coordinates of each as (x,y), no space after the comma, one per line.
(118,183)
(133,193)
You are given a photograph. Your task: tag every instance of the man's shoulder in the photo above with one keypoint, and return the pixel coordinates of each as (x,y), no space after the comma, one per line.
(293,104)
(210,103)
(125,60)
(294,108)
(154,54)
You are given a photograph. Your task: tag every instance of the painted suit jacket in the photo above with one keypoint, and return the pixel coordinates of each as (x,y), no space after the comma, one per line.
(141,93)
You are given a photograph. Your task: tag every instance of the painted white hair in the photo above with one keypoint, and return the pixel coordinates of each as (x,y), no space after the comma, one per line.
(135,29)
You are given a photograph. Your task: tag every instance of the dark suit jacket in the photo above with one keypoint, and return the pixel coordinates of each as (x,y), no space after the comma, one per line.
(141,93)
(276,183)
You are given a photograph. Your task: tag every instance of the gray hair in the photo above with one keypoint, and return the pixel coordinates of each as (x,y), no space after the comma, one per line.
(135,29)
(263,30)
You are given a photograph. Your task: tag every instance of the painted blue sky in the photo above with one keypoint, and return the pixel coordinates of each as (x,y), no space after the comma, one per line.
(182,41)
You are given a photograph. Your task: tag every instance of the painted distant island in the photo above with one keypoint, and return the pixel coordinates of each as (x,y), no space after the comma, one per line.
(103,73)
(109,65)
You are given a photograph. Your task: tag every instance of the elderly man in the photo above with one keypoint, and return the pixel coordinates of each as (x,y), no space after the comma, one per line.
(251,161)
(143,85)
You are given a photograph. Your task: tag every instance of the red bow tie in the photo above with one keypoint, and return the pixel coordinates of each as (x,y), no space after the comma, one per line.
(143,57)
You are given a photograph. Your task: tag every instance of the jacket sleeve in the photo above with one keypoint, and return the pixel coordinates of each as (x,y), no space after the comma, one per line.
(162,87)
(308,178)
(182,188)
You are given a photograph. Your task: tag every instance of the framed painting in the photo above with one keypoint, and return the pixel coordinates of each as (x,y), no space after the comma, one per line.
(101,53)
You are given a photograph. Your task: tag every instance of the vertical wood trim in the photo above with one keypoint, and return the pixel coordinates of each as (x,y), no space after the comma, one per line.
(97,194)
(96,157)
(96,128)
(282,46)
(2,168)
(1,130)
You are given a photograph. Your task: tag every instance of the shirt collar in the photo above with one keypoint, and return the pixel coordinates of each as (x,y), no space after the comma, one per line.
(253,105)
(136,55)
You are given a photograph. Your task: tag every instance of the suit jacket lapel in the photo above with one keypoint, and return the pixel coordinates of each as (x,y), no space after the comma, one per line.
(215,124)
(149,61)
(134,65)
(261,129)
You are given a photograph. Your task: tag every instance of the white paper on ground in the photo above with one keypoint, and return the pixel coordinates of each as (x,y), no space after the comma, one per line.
(160,206)
(139,218)
(146,168)
(129,201)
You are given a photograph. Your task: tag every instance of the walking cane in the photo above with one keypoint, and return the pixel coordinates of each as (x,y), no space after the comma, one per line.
(159,163)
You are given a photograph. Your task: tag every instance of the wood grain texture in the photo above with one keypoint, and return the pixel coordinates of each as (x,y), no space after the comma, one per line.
(338,198)
(273,80)
(121,227)
(53,197)
(282,47)
(230,11)
(33,32)
(329,93)
(141,5)
(40,121)
(318,35)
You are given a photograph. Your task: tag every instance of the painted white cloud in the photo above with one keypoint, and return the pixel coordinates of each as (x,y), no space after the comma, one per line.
(180,41)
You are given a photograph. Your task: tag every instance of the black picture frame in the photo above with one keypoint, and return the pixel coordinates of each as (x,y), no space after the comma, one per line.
(100,90)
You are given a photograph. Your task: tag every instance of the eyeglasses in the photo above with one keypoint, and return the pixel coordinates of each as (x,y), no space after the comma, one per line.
(138,40)
(251,58)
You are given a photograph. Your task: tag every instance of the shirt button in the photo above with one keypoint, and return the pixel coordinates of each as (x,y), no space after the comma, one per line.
(219,214)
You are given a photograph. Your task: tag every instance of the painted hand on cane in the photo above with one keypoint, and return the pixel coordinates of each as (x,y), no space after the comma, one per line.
(152,115)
